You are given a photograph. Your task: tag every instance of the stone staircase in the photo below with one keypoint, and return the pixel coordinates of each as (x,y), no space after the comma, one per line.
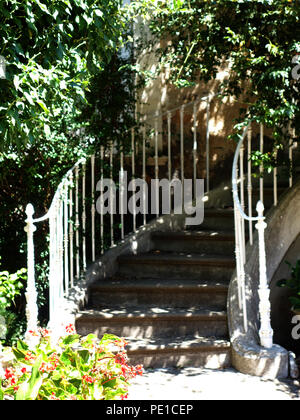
(170,303)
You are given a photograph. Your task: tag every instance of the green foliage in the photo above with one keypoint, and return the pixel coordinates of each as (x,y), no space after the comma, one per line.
(293,283)
(110,109)
(11,286)
(32,173)
(67,90)
(51,48)
(74,368)
(258,40)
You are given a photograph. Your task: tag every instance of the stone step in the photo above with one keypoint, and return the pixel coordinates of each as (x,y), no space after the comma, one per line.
(153,322)
(215,242)
(216,219)
(177,265)
(135,292)
(207,352)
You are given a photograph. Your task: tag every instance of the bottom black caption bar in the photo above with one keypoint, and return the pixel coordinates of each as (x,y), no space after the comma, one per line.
(141,409)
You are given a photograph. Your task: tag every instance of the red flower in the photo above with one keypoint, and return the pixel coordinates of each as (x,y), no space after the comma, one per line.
(53,397)
(23,370)
(29,357)
(121,358)
(88,379)
(52,365)
(44,332)
(13,381)
(124,397)
(9,373)
(54,359)
(47,367)
(139,369)
(70,329)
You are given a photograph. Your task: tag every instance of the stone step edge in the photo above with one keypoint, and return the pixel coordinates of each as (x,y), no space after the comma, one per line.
(131,288)
(201,348)
(180,260)
(185,343)
(193,236)
(96,316)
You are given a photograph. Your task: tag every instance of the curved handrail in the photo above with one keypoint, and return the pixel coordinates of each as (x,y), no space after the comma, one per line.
(58,191)
(235,182)
(265,332)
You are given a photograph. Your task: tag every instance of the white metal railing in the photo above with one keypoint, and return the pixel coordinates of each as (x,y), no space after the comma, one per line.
(78,235)
(241,218)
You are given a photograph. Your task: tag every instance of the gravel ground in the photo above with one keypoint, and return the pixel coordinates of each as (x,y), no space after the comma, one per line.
(206,384)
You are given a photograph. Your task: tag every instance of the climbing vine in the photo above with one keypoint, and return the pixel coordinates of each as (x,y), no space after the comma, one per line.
(258,41)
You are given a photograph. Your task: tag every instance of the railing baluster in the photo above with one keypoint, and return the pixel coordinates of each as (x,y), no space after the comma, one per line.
(275,181)
(238,254)
(133,178)
(182,143)
(71,231)
(238,249)
(242,189)
(112,242)
(291,162)
(156,165)
(144,175)
(261,168)
(101,200)
(207,143)
(93,208)
(122,188)
(250,189)
(66,238)
(52,270)
(195,147)
(61,248)
(169,145)
(241,234)
(84,216)
(77,223)
(240,263)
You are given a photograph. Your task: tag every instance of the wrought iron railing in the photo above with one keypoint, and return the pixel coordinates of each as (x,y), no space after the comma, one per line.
(78,234)
(239,176)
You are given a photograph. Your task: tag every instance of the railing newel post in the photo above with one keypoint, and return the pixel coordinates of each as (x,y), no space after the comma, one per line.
(31,293)
(265,332)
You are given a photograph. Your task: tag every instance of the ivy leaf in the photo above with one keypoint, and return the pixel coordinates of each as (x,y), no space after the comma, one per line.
(43,106)
(29,98)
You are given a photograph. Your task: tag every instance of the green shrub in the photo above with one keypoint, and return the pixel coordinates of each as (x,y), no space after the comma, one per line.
(293,283)
(75,368)
(11,286)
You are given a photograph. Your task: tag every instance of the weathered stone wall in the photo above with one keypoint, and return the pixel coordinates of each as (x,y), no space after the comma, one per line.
(281,314)
(160,95)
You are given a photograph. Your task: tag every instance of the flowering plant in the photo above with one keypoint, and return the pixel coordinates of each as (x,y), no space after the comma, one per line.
(75,368)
